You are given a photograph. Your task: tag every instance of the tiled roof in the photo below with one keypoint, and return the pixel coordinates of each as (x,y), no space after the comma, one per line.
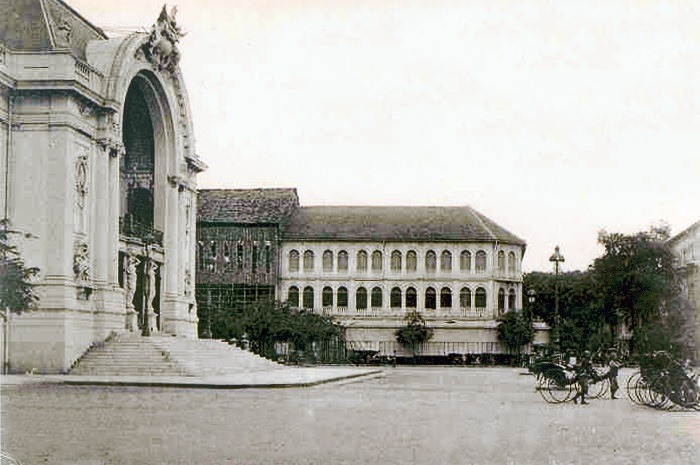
(33,26)
(395,224)
(246,206)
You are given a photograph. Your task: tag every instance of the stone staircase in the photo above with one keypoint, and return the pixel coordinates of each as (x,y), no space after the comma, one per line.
(129,354)
(126,355)
(210,357)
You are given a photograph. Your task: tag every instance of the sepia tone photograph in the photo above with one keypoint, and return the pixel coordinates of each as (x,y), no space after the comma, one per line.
(349,232)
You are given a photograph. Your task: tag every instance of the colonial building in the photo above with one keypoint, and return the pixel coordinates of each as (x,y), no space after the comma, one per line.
(686,247)
(367,267)
(98,165)
(238,239)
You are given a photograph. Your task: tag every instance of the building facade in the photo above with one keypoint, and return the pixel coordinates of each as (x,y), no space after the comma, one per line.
(238,240)
(99,167)
(368,267)
(686,247)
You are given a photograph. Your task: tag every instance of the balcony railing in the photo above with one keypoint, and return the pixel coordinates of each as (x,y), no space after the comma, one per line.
(443,312)
(130,228)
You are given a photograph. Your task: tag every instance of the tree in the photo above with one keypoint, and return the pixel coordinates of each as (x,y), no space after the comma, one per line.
(266,323)
(514,331)
(17,292)
(637,281)
(414,333)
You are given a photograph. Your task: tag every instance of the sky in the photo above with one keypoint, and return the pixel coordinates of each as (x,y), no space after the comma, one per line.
(556,119)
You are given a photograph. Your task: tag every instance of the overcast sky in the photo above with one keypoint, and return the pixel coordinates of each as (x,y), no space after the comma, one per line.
(554,118)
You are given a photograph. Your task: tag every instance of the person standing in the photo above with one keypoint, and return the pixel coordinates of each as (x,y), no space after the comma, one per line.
(583,372)
(613,370)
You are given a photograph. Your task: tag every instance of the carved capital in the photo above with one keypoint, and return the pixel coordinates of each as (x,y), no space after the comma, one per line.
(111,146)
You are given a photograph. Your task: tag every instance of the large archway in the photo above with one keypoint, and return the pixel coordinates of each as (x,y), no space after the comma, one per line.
(148,144)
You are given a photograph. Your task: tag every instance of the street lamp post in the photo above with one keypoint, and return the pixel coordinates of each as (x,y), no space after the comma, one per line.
(556,258)
(531,299)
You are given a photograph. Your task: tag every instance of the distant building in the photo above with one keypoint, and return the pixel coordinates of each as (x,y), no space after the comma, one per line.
(686,247)
(98,165)
(367,267)
(238,240)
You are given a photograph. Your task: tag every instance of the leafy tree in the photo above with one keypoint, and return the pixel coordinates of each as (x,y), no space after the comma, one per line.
(265,323)
(17,292)
(414,333)
(637,281)
(514,331)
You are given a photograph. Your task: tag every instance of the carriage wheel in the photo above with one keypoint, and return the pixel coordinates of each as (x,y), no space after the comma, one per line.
(658,393)
(632,387)
(687,394)
(558,392)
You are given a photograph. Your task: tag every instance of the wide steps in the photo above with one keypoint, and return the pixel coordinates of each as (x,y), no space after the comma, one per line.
(159,355)
(127,355)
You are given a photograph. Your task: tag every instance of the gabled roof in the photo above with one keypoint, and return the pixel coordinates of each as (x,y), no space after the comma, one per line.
(689,230)
(395,224)
(246,206)
(42,25)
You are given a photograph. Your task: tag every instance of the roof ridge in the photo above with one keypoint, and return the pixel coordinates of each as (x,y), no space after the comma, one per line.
(482,222)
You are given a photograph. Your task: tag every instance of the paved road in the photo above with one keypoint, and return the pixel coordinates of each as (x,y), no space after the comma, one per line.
(409,416)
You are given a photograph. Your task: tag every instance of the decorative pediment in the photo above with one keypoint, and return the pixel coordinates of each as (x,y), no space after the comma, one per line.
(161,46)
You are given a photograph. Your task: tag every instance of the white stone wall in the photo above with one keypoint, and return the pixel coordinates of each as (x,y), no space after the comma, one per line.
(686,247)
(457,330)
(61,158)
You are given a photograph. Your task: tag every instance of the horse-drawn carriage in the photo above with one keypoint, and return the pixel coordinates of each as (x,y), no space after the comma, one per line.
(663,382)
(558,381)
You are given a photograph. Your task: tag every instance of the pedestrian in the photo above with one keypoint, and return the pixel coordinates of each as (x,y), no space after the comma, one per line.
(583,372)
(613,370)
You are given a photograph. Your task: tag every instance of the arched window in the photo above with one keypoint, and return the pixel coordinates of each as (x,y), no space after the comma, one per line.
(465,260)
(293,296)
(308,260)
(411,260)
(212,256)
(268,257)
(308,297)
(430,261)
(411,298)
(465,298)
(446,261)
(480,297)
(445,298)
(342,297)
(362,262)
(501,261)
(395,298)
(430,298)
(361,298)
(395,260)
(228,263)
(501,300)
(327,261)
(376,261)
(201,254)
(480,262)
(342,261)
(293,261)
(256,249)
(511,299)
(327,297)
(376,297)
(239,256)
(511,263)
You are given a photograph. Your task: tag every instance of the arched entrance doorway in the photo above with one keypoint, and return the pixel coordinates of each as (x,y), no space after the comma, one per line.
(145,131)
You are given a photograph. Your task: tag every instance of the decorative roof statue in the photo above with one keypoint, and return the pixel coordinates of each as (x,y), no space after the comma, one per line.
(161,47)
